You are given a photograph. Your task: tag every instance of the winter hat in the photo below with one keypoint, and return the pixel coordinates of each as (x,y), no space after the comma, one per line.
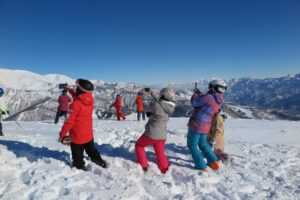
(84,85)
(167,94)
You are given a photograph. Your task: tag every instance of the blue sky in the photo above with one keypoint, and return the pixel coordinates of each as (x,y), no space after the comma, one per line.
(151,41)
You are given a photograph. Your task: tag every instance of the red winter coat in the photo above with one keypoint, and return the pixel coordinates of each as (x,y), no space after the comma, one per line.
(80,122)
(118,103)
(63,101)
(139,103)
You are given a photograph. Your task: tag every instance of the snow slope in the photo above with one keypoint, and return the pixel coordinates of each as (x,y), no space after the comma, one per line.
(23,80)
(33,165)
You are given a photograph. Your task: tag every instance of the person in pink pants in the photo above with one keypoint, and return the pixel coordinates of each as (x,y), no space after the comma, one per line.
(155,130)
(118,106)
(159,148)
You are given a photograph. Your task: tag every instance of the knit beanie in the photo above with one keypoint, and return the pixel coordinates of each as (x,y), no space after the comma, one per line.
(84,86)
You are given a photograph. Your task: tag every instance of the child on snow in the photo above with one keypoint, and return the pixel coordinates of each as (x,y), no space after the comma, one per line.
(79,125)
(205,106)
(118,106)
(2,112)
(140,106)
(216,137)
(63,106)
(155,130)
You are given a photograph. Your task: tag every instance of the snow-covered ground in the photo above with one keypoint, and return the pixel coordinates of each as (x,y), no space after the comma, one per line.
(33,165)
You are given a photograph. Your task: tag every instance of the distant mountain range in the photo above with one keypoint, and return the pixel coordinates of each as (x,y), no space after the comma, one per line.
(30,96)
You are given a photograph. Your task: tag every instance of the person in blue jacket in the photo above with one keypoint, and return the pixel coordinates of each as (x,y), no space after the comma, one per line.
(205,107)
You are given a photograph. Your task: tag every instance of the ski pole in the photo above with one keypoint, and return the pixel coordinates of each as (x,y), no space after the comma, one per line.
(18,124)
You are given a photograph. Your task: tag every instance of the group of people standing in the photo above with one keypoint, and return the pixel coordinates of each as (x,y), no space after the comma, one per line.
(205,137)
(77,130)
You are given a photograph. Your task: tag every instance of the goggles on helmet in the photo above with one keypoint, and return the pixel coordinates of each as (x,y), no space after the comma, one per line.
(221,88)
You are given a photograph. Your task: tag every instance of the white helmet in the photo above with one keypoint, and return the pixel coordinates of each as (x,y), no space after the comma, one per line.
(217,85)
(167,94)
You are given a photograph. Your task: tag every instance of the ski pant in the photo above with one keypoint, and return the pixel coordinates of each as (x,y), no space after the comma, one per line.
(120,114)
(60,113)
(159,148)
(196,142)
(1,132)
(139,113)
(77,154)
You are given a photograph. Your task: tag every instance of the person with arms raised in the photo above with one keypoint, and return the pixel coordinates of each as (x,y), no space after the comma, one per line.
(205,107)
(77,131)
(155,133)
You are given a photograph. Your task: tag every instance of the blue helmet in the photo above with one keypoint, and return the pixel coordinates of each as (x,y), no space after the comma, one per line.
(1,91)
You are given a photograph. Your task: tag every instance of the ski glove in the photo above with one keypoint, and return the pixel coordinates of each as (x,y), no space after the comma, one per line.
(4,112)
(65,141)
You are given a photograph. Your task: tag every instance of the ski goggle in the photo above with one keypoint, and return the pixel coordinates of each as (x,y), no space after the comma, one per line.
(221,89)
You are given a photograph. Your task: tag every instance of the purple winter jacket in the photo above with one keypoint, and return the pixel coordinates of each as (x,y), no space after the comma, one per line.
(205,106)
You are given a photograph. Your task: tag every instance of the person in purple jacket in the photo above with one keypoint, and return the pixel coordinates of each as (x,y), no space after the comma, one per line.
(205,107)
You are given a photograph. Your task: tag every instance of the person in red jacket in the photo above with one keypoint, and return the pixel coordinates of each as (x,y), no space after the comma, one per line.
(79,125)
(118,106)
(63,106)
(140,106)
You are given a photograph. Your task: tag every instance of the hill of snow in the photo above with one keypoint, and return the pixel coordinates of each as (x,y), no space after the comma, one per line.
(35,166)
(23,80)
(58,78)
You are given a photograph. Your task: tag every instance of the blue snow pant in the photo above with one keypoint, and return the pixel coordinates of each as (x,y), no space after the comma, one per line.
(196,142)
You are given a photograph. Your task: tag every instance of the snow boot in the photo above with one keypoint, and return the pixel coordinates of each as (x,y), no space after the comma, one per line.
(214,165)
(228,160)
(145,169)
(203,171)
(100,162)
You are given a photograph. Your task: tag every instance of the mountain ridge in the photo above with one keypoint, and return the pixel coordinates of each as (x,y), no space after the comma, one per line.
(270,98)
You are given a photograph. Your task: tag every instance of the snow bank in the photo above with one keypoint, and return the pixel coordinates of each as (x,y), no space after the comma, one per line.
(35,166)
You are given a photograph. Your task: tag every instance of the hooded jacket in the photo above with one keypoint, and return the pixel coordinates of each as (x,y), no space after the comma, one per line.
(205,107)
(2,111)
(139,103)
(80,121)
(156,127)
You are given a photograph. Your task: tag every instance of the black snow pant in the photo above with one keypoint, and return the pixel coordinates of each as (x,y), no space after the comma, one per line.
(60,113)
(139,115)
(77,154)
(1,133)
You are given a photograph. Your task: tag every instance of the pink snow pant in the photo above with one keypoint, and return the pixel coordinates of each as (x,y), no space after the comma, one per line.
(120,114)
(159,148)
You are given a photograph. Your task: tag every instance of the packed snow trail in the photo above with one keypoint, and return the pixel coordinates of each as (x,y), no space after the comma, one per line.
(35,166)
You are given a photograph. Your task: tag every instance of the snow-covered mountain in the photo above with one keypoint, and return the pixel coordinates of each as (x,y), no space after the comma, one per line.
(30,96)
(277,96)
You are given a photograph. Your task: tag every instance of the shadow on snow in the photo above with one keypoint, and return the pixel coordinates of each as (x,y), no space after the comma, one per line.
(32,154)
(123,152)
(21,149)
